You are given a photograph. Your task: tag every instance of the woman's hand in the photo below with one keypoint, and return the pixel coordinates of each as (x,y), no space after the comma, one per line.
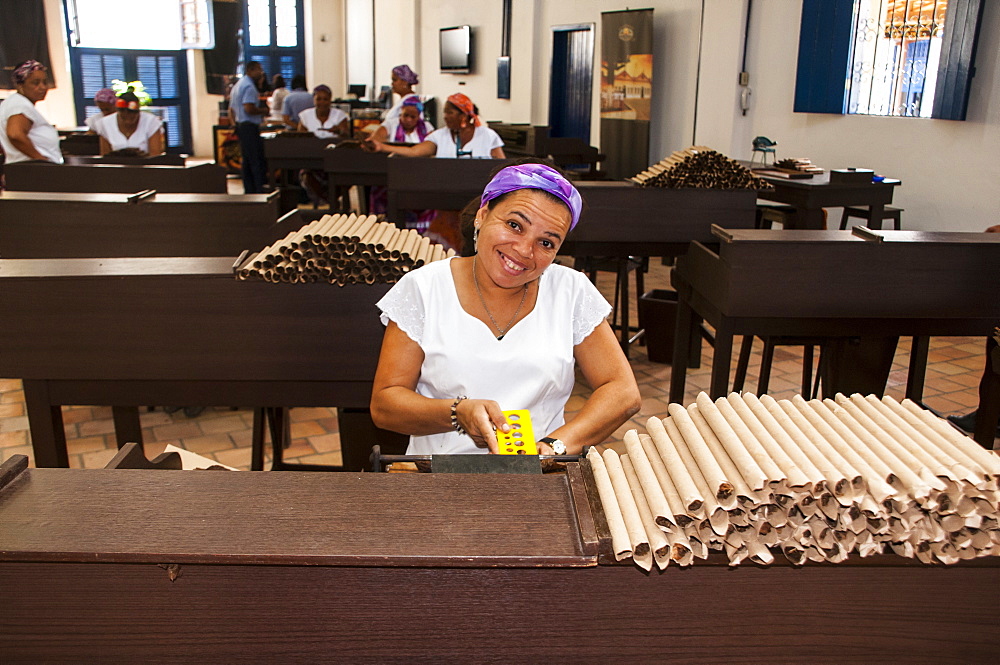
(371,144)
(481,418)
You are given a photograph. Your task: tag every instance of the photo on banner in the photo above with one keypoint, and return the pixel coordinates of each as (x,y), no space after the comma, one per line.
(626,90)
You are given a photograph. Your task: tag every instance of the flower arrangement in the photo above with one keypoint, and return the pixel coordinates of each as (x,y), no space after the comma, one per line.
(138,89)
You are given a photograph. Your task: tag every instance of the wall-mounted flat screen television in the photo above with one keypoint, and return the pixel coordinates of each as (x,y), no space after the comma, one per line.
(456,50)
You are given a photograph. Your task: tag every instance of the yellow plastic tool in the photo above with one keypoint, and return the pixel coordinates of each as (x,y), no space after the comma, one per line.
(520,440)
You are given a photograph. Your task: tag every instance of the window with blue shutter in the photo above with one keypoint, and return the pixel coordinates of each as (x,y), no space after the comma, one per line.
(275,37)
(887,57)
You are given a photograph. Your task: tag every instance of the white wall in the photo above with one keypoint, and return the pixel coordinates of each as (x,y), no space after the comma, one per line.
(948,168)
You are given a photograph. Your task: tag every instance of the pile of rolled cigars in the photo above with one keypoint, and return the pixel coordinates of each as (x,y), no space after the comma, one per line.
(815,480)
(701,168)
(343,249)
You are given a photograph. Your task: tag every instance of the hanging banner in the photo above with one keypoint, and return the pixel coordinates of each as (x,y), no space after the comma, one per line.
(626,90)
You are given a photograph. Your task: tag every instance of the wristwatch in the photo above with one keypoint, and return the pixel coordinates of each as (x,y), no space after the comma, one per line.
(558,447)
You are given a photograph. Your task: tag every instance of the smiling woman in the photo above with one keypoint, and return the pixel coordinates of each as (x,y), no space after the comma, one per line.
(469,338)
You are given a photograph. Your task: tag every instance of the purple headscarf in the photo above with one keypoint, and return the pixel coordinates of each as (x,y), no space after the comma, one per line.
(322,88)
(24,70)
(105,95)
(535,176)
(405,73)
(415,102)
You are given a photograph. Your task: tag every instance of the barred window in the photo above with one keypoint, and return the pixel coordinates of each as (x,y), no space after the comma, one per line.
(907,58)
(895,56)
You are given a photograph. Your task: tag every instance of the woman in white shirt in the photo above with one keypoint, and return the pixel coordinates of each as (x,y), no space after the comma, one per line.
(462,136)
(323,120)
(24,133)
(277,98)
(403,80)
(105,100)
(408,127)
(131,128)
(468,338)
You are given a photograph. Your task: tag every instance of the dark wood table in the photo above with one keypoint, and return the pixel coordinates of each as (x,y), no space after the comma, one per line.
(429,183)
(135,331)
(158,160)
(835,284)
(295,150)
(347,165)
(809,197)
(75,225)
(215,566)
(48,177)
(621,220)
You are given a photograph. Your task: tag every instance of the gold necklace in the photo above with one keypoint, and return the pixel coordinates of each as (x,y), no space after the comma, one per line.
(502,331)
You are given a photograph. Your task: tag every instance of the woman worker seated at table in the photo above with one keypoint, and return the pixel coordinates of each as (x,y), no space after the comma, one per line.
(467,338)
(131,128)
(323,120)
(462,136)
(25,134)
(105,101)
(407,127)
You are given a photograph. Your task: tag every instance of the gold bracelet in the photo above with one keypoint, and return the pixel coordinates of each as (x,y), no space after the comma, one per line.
(454,415)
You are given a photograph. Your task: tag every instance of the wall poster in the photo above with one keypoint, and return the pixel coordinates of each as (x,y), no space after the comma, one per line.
(626,90)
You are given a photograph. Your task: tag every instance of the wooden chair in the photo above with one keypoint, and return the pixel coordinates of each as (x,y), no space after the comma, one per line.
(770,213)
(568,153)
(810,389)
(865,213)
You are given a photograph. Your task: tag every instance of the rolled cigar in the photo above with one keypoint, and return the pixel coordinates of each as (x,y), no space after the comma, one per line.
(751,471)
(691,499)
(709,466)
(674,502)
(366,222)
(333,232)
(776,476)
(899,459)
(660,548)
(388,233)
(450,253)
(987,460)
(630,512)
(395,244)
(881,470)
(799,413)
(620,541)
(710,504)
(650,486)
(327,222)
(911,455)
(412,239)
(353,222)
(794,465)
(422,250)
(917,435)
(740,487)
(832,478)
(830,433)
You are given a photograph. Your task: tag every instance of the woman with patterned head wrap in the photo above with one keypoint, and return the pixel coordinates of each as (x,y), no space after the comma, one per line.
(403,80)
(408,127)
(464,135)
(24,133)
(131,128)
(105,101)
(504,329)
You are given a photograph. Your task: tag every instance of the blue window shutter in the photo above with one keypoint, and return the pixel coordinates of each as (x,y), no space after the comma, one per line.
(824,56)
(958,55)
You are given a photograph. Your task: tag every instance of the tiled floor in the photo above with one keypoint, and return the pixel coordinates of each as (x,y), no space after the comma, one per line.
(221,433)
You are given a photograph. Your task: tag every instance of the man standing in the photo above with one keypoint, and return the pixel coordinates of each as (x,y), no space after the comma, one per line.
(247,112)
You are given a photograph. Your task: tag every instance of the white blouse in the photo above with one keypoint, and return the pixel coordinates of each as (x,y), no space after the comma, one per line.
(323,130)
(413,137)
(483,141)
(42,134)
(532,367)
(149,125)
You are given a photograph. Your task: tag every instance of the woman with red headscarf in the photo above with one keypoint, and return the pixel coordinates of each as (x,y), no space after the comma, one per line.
(25,134)
(463,135)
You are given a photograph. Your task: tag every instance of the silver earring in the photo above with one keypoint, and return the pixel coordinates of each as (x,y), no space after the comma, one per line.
(475,240)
